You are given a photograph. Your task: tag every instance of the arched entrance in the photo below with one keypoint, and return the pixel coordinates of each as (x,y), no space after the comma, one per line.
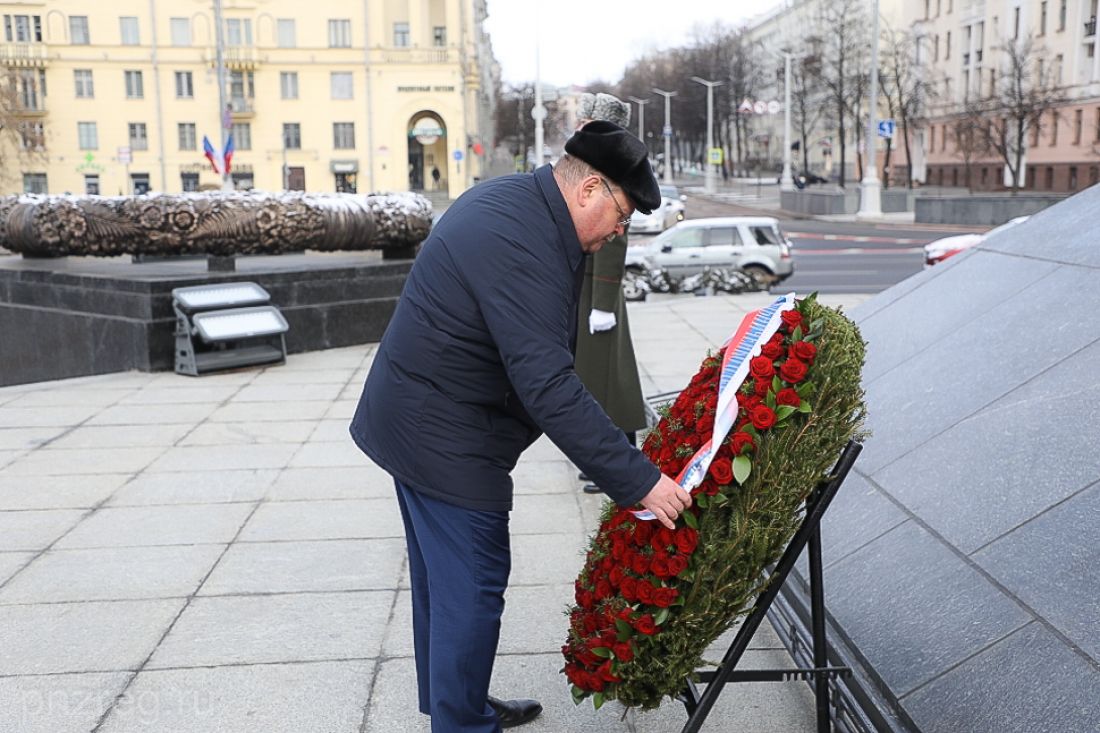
(427,152)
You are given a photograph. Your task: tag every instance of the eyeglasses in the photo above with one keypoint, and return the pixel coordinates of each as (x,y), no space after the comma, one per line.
(624,221)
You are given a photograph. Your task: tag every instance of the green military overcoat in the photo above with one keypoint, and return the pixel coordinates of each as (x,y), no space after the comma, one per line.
(605,360)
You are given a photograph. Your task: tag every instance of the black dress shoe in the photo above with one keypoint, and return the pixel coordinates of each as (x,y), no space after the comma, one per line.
(591,489)
(515,712)
(582,476)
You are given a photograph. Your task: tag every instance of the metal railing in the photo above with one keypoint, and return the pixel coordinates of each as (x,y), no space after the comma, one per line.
(1090,27)
(413,55)
(242,106)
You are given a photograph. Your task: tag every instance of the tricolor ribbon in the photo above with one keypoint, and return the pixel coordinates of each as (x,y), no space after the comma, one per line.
(746,342)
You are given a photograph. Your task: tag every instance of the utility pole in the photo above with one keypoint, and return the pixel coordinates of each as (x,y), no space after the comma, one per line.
(708,184)
(641,116)
(786,182)
(870,189)
(539,112)
(219,60)
(666,133)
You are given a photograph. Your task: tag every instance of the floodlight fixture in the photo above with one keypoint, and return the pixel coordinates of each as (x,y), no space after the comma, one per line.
(225,326)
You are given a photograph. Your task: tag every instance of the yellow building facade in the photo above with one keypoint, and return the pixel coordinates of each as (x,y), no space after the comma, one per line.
(327,95)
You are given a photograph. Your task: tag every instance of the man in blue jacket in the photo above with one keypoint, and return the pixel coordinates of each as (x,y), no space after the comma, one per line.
(476,363)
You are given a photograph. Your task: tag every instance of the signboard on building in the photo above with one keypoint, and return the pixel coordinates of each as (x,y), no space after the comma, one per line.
(715,156)
(124,155)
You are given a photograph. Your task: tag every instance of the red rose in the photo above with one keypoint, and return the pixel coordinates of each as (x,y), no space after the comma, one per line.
(629,589)
(777,338)
(710,487)
(787,396)
(642,532)
(659,567)
(721,471)
(616,576)
(606,673)
(645,592)
(595,682)
(661,539)
(793,371)
(761,366)
(772,351)
(623,651)
(791,319)
(603,590)
(803,350)
(584,599)
(705,424)
(739,441)
(687,539)
(646,625)
(677,564)
(763,417)
(640,564)
(663,597)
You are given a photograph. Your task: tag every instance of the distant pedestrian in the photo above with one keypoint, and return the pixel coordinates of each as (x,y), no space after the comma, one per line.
(435,178)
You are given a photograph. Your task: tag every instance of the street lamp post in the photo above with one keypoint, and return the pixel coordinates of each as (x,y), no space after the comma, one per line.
(667,132)
(786,182)
(870,189)
(641,116)
(708,181)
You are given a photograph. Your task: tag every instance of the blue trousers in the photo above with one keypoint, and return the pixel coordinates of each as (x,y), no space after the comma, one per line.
(459,560)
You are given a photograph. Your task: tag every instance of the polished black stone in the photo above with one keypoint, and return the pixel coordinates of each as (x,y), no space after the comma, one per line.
(75,316)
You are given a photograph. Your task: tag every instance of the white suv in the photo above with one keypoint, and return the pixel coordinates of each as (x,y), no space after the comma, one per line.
(754,244)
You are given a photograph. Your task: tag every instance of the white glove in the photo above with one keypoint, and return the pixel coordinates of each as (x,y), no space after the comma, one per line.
(600,321)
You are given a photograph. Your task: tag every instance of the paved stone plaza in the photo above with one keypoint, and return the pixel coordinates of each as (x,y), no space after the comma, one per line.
(214,554)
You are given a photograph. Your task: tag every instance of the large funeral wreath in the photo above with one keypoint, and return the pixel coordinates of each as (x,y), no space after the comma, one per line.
(649,600)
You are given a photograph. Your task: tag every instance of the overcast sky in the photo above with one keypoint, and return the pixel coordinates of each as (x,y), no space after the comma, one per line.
(585,40)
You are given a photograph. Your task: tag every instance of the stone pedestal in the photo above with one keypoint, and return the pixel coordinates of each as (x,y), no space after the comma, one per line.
(76,316)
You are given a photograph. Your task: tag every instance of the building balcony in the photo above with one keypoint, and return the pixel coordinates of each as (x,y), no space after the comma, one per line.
(1090,27)
(28,108)
(23,55)
(235,58)
(242,107)
(413,55)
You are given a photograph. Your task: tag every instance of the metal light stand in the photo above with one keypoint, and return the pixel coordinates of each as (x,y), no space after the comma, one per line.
(808,535)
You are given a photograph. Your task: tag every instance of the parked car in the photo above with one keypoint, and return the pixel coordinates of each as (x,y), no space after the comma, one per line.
(941,249)
(754,244)
(664,216)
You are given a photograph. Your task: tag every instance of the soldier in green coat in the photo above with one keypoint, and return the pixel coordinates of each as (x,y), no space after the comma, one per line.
(605,353)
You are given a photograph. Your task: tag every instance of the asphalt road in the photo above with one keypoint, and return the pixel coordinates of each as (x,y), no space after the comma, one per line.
(841,257)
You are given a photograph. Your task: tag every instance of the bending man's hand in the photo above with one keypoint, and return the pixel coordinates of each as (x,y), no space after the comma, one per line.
(667,501)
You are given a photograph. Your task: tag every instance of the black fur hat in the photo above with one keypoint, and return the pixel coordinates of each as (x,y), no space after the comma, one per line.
(620,156)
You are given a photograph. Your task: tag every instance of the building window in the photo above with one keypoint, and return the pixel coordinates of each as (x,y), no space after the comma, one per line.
(189,182)
(243,181)
(1053,127)
(181,31)
(288,84)
(1073,178)
(1058,69)
(23,28)
(1096,131)
(139,139)
(947,47)
(439,36)
(343,135)
(32,136)
(187,136)
(91,184)
(346,183)
(242,89)
(339,33)
(1049,177)
(1078,125)
(35,183)
(931,137)
(1061,15)
(135,86)
(341,83)
(1015,23)
(128,30)
(185,86)
(292,135)
(85,88)
(139,183)
(285,33)
(88,135)
(238,32)
(1042,18)
(242,136)
(78,30)
(401,35)
(1033,136)
(950,4)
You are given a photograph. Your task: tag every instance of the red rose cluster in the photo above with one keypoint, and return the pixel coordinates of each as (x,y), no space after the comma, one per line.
(637,572)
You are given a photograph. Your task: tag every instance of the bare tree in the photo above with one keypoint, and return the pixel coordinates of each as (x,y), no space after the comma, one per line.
(969,132)
(806,107)
(22,133)
(906,87)
(840,66)
(1026,90)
